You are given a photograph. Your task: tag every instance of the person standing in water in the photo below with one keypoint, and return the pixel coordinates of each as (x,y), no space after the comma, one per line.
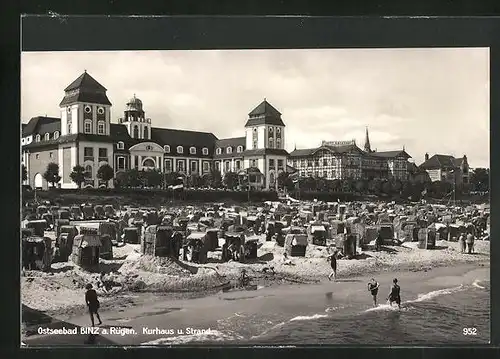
(395,294)
(373,289)
(333,264)
(92,303)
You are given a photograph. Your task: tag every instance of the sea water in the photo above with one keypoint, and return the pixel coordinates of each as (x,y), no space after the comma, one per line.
(438,316)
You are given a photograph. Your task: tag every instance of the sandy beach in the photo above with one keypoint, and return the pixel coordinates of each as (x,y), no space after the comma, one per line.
(140,281)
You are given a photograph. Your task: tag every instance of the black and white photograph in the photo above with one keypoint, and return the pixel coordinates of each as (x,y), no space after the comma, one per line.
(255,197)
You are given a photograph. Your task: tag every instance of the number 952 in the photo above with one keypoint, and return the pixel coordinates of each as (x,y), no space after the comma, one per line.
(469,331)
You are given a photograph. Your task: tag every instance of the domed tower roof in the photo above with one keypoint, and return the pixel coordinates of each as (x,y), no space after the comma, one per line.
(134,104)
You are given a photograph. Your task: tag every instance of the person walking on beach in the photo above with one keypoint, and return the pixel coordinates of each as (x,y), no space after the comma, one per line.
(92,303)
(378,242)
(461,240)
(394,294)
(470,243)
(373,289)
(333,264)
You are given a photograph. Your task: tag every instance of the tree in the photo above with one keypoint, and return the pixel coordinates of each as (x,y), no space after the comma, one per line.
(24,173)
(282,179)
(231,180)
(334,185)
(360,186)
(214,179)
(375,186)
(122,179)
(387,187)
(480,179)
(105,173)
(152,178)
(51,175)
(78,175)
(194,180)
(397,186)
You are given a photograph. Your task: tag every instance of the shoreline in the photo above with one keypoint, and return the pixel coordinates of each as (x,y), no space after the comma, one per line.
(203,312)
(405,260)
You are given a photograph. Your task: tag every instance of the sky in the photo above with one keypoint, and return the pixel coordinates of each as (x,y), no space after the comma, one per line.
(427,100)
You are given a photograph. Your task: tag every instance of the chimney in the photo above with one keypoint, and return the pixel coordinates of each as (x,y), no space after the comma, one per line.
(426,156)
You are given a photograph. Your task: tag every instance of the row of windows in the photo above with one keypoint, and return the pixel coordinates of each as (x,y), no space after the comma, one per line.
(239,149)
(180,149)
(101,127)
(47,136)
(88,153)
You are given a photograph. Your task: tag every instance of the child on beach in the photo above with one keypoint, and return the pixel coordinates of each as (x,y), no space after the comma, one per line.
(373,288)
(461,240)
(92,303)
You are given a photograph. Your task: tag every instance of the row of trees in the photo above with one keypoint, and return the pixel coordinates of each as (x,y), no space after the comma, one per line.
(479,181)
(406,189)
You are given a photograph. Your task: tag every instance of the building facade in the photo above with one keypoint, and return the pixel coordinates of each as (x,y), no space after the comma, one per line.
(344,159)
(447,168)
(84,135)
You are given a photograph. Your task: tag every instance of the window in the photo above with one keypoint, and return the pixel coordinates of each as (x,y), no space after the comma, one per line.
(88,126)
(217,166)
(278,143)
(120,145)
(136,131)
(239,149)
(51,154)
(148,162)
(325,162)
(255,144)
(206,166)
(69,126)
(37,156)
(100,128)
(88,152)
(88,109)
(254,163)
(168,166)
(228,166)
(254,138)
(100,110)
(194,166)
(280,164)
(309,163)
(103,154)
(180,149)
(316,162)
(47,136)
(56,135)
(192,150)
(180,166)
(218,151)
(146,133)
(205,151)
(237,165)
(88,171)
(166,148)
(229,150)
(271,142)
(121,163)
(271,163)
(278,131)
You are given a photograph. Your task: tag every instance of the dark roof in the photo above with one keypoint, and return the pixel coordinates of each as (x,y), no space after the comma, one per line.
(85,81)
(187,139)
(390,154)
(230,142)
(264,114)
(99,98)
(89,90)
(41,124)
(441,162)
(302,152)
(335,149)
(266,151)
(119,132)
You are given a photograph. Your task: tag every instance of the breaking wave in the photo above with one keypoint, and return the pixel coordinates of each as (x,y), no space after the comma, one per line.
(308,317)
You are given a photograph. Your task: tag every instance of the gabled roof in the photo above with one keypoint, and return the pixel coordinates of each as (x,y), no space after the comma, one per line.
(390,154)
(440,162)
(87,82)
(41,125)
(303,152)
(264,114)
(334,149)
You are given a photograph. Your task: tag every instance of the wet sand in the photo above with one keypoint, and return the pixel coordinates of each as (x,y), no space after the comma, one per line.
(288,300)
